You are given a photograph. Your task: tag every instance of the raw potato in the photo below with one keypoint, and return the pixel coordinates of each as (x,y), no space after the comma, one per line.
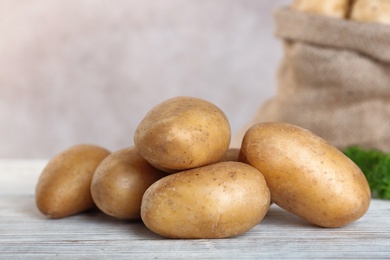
(331,8)
(231,154)
(183,133)
(306,175)
(371,11)
(63,188)
(220,200)
(119,182)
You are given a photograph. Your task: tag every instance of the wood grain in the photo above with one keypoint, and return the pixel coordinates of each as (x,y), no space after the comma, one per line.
(25,233)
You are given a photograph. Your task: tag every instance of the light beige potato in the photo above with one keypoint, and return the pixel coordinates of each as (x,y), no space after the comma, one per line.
(120,181)
(63,188)
(221,200)
(371,11)
(183,133)
(232,154)
(331,8)
(306,175)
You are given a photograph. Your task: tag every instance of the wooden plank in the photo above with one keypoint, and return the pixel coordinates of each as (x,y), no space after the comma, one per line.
(25,233)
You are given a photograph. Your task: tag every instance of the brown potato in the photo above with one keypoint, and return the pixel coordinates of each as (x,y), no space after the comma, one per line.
(371,11)
(220,200)
(63,188)
(183,133)
(331,8)
(306,175)
(119,182)
(231,154)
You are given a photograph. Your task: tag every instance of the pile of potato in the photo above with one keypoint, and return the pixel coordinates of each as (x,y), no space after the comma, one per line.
(357,10)
(182,179)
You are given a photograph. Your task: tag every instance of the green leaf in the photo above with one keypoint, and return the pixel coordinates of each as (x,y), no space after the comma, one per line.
(375,165)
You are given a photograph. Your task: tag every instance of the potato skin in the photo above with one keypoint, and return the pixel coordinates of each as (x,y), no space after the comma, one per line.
(330,8)
(306,175)
(63,188)
(120,181)
(183,133)
(220,200)
(371,11)
(232,154)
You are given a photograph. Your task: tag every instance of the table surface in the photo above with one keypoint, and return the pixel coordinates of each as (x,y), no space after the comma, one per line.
(25,233)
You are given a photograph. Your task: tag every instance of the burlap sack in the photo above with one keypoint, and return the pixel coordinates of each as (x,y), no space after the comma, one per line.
(334,79)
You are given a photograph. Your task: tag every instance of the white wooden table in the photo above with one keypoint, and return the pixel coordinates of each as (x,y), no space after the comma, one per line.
(26,234)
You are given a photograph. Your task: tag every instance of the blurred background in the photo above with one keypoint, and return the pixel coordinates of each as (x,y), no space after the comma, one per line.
(87,71)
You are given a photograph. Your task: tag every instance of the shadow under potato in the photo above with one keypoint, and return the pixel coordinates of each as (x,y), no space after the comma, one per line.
(279,217)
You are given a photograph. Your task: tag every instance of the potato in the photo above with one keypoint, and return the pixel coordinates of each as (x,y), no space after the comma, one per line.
(371,11)
(119,182)
(63,188)
(306,175)
(220,200)
(331,8)
(231,154)
(182,133)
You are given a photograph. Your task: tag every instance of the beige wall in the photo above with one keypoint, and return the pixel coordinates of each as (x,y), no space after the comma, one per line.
(87,71)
